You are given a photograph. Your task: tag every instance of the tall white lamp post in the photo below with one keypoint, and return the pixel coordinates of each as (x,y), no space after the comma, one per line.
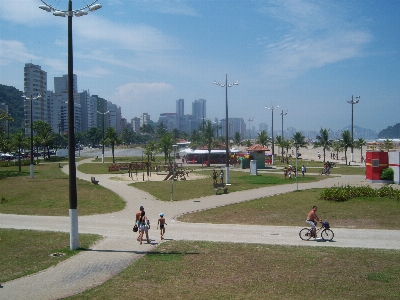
(73,197)
(282,114)
(226,85)
(31,131)
(352,102)
(272,131)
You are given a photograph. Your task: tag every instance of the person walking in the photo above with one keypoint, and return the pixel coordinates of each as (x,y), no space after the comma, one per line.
(214,176)
(161,223)
(303,170)
(221,176)
(144,226)
(138,215)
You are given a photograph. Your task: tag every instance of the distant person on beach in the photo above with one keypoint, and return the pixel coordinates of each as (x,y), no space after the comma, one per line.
(144,226)
(138,214)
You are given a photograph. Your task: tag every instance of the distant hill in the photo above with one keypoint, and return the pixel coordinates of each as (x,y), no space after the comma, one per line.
(360,132)
(13,98)
(392,132)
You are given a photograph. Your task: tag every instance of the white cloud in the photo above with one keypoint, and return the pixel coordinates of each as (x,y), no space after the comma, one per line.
(23,12)
(316,34)
(11,51)
(132,37)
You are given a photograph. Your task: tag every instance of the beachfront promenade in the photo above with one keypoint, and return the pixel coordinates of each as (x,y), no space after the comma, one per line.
(119,247)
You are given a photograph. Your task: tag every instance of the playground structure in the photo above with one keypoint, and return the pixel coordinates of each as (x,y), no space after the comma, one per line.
(180,173)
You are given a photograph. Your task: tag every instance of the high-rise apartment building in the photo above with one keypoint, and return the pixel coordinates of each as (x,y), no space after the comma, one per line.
(35,84)
(180,107)
(199,112)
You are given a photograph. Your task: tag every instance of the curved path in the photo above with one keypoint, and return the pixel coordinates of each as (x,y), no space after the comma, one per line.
(119,247)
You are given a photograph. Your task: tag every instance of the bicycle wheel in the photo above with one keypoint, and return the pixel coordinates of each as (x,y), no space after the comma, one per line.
(305,234)
(327,235)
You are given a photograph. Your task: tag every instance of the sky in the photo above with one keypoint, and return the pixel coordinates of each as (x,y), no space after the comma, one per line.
(304,57)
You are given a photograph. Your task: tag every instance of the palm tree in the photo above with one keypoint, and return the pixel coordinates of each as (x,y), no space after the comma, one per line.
(208,139)
(195,139)
(346,142)
(150,149)
(286,145)
(336,147)
(112,138)
(359,144)
(279,142)
(323,140)
(165,144)
(299,140)
(263,138)
(237,139)
(19,142)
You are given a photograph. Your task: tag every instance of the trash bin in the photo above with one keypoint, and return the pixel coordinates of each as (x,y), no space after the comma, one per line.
(253,167)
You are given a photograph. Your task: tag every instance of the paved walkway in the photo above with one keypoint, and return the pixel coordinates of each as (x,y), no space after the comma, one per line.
(119,247)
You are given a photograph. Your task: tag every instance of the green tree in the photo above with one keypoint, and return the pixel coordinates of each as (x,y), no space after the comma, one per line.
(359,145)
(346,142)
(147,129)
(263,138)
(45,135)
(195,139)
(19,142)
(150,149)
(323,140)
(237,139)
(337,147)
(208,138)
(94,135)
(112,138)
(165,145)
(279,143)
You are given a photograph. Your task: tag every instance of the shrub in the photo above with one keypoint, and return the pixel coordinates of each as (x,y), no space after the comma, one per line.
(347,192)
(387,174)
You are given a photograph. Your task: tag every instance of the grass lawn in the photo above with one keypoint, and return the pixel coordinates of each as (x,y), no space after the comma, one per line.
(189,189)
(206,270)
(25,252)
(47,193)
(291,209)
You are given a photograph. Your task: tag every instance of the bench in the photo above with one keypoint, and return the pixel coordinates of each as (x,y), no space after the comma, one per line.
(220,186)
(59,165)
(94,181)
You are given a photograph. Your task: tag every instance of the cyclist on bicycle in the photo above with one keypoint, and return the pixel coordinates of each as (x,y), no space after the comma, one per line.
(311,219)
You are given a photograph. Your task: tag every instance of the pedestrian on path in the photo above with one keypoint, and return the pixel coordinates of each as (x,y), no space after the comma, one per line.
(144,227)
(161,223)
(214,176)
(303,170)
(138,215)
(221,176)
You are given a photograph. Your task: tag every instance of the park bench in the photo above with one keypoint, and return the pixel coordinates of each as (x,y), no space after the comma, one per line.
(220,186)
(94,181)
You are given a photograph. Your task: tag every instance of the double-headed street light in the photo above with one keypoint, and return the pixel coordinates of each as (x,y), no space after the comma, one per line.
(226,85)
(272,131)
(102,144)
(352,102)
(73,197)
(31,98)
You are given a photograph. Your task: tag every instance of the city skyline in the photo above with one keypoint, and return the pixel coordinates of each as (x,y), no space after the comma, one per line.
(306,57)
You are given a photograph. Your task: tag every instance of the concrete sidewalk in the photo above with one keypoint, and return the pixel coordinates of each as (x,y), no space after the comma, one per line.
(119,247)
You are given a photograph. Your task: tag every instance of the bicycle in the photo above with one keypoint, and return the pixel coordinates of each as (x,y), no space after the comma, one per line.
(324,171)
(326,233)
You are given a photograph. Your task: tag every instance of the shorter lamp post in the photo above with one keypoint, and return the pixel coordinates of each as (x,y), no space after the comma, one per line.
(352,102)
(173,172)
(31,98)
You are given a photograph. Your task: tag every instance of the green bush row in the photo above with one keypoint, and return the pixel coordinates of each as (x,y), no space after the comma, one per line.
(344,193)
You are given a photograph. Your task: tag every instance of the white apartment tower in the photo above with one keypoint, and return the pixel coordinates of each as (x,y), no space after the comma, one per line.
(35,84)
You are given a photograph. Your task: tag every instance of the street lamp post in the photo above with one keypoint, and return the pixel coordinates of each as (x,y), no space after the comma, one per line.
(283,114)
(352,102)
(272,131)
(73,197)
(173,172)
(102,144)
(31,131)
(226,85)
